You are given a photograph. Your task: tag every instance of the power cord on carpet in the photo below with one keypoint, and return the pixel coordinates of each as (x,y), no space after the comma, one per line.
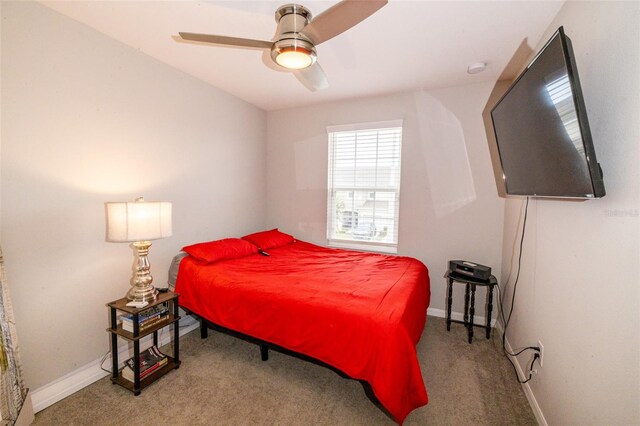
(506,322)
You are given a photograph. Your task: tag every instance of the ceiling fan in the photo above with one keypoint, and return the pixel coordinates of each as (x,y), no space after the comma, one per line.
(297,35)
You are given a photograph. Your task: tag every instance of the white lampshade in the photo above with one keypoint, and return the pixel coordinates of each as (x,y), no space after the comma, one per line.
(138,220)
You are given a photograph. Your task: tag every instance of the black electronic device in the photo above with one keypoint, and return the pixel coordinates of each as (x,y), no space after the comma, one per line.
(542,130)
(470,269)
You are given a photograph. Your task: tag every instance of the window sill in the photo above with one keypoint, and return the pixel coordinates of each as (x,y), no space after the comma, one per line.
(351,245)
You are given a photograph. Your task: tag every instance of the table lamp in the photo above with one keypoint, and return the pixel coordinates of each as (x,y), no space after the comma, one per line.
(138,222)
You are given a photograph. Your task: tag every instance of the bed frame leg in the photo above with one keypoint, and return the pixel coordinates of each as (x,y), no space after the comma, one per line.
(264,352)
(204,329)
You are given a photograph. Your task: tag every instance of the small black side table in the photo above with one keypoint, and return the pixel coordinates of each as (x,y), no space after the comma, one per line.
(469,302)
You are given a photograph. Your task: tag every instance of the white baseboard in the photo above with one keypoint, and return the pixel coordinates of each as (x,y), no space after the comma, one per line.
(537,411)
(458,316)
(66,385)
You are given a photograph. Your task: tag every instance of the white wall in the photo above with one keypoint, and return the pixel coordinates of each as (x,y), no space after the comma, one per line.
(579,292)
(449,206)
(86,120)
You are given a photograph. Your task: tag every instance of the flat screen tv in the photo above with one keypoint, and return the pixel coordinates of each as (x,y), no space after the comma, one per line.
(542,130)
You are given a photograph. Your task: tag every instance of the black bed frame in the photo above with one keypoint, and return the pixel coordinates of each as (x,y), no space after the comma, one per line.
(205,325)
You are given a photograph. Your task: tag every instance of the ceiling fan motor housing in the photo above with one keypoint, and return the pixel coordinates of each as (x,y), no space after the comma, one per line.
(292,18)
(291,49)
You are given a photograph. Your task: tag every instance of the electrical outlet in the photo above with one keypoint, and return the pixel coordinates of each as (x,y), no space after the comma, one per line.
(541,346)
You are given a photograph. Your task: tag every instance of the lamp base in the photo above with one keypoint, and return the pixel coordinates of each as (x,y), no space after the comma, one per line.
(137,294)
(142,290)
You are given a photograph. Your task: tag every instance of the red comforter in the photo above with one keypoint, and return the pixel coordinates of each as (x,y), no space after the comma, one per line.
(362,313)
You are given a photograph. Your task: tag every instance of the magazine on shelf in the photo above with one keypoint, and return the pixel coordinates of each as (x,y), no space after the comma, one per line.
(150,360)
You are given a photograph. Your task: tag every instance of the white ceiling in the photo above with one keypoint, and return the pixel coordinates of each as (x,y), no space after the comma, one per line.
(405,46)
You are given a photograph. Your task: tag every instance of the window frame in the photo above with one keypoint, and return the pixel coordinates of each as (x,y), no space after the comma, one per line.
(352,243)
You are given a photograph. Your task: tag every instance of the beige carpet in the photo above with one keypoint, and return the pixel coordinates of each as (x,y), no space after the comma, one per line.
(222,381)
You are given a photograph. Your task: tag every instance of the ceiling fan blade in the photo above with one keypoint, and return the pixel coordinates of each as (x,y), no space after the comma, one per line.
(340,18)
(312,77)
(231,41)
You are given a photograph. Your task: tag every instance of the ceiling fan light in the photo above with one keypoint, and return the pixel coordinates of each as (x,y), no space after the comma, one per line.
(295,58)
(293,53)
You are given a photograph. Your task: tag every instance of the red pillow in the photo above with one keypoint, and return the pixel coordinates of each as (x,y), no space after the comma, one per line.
(269,239)
(228,248)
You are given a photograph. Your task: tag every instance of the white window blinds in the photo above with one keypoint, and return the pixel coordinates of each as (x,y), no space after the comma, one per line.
(364,185)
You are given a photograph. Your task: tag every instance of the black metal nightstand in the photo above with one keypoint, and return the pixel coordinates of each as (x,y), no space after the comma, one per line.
(116,330)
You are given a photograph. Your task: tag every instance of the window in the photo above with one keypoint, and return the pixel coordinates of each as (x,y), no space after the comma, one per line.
(364,186)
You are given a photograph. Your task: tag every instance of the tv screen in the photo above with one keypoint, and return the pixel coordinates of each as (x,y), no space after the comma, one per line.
(542,130)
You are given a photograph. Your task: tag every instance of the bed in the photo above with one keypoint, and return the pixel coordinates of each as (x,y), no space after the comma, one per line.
(360,313)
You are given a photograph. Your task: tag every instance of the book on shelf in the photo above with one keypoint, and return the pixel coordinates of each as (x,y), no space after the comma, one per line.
(150,361)
(146,318)
(127,372)
(148,313)
(146,324)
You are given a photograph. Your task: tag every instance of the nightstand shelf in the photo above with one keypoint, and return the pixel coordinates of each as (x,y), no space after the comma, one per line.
(130,336)
(170,365)
(116,330)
